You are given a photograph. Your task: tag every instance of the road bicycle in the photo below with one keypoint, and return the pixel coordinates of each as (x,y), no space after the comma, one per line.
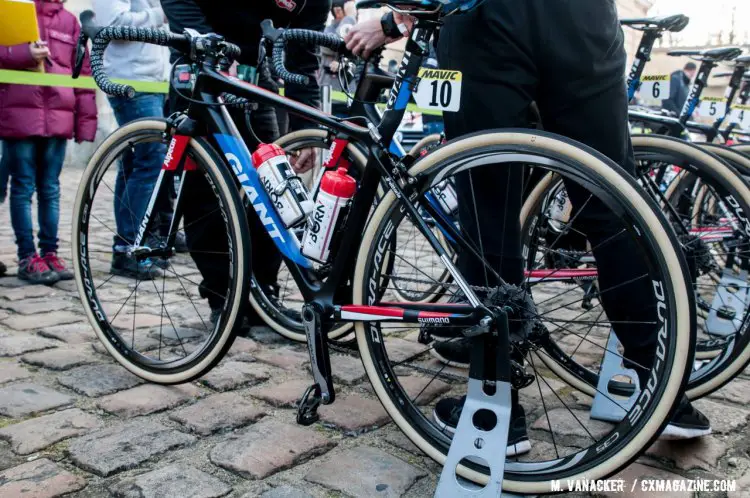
(161,343)
(705,203)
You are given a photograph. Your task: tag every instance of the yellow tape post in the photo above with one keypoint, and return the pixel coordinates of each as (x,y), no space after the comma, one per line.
(62,80)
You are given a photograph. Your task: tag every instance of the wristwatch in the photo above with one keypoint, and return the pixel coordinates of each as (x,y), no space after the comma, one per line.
(390,28)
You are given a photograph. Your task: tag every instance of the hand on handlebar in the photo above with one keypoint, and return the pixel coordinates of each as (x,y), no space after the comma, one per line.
(367,36)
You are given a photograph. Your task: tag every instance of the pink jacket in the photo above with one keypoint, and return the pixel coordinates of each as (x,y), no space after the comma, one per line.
(42,111)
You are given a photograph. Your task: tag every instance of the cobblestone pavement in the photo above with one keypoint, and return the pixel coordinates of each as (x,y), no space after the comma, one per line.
(73,422)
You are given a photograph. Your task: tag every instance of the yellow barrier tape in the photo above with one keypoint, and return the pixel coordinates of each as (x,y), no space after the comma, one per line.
(62,80)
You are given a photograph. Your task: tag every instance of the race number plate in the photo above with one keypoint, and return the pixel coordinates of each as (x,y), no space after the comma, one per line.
(740,116)
(439,89)
(654,88)
(712,107)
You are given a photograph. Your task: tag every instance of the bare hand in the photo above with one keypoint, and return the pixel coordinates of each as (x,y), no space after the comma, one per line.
(39,51)
(304,160)
(365,37)
(334,66)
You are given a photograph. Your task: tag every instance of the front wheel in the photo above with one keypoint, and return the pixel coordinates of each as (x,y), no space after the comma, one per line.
(409,382)
(154,315)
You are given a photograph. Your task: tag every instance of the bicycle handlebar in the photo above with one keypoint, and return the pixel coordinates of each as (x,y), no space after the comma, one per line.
(101,37)
(301,37)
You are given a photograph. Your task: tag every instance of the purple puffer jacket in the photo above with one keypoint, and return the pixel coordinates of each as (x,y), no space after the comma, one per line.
(39,111)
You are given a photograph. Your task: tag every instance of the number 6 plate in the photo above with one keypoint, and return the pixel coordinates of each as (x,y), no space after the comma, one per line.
(654,88)
(439,89)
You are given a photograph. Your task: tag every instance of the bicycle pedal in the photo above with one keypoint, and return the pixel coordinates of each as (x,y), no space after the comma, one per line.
(307,410)
(424,336)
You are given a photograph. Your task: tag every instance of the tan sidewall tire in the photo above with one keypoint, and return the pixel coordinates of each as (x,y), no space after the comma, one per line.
(208,159)
(541,143)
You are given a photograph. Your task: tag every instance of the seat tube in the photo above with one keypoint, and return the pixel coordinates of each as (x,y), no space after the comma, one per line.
(701,80)
(642,56)
(406,78)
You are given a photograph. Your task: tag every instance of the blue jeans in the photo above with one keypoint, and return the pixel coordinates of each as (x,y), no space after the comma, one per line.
(34,164)
(139,167)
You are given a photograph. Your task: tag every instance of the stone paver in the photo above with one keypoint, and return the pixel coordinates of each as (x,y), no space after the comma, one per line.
(282,446)
(217,412)
(124,446)
(145,399)
(11,371)
(347,369)
(21,400)
(724,418)
(354,413)
(284,492)
(286,358)
(378,473)
(63,358)
(737,391)
(38,433)
(19,343)
(234,374)
(34,306)
(98,380)
(74,333)
(31,322)
(284,394)
(172,481)
(39,479)
(703,453)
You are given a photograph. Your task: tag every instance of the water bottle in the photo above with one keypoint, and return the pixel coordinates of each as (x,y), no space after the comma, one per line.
(336,190)
(286,190)
(446,195)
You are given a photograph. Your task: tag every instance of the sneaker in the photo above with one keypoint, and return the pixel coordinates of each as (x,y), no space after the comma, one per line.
(686,423)
(57,265)
(454,353)
(127,266)
(448,411)
(34,269)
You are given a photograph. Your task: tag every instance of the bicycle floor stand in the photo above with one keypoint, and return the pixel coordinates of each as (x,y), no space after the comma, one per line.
(470,442)
(608,406)
(729,304)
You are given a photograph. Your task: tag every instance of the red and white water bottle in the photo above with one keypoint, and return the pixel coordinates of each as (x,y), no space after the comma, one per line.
(336,190)
(287,192)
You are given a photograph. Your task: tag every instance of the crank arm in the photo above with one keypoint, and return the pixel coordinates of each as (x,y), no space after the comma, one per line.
(321,392)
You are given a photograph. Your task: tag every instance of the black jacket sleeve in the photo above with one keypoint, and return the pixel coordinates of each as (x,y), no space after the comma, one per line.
(183,14)
(306,62)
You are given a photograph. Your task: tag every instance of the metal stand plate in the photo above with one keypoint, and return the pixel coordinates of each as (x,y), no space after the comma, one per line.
(729,304)
(609,406)
(472,443)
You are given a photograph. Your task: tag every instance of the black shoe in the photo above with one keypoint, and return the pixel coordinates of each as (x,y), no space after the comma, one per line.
(686,423)
(455,353)
(448,411)
(127,266)
(3,269)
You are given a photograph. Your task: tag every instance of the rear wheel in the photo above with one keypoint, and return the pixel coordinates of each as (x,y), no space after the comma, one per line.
(408,381)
